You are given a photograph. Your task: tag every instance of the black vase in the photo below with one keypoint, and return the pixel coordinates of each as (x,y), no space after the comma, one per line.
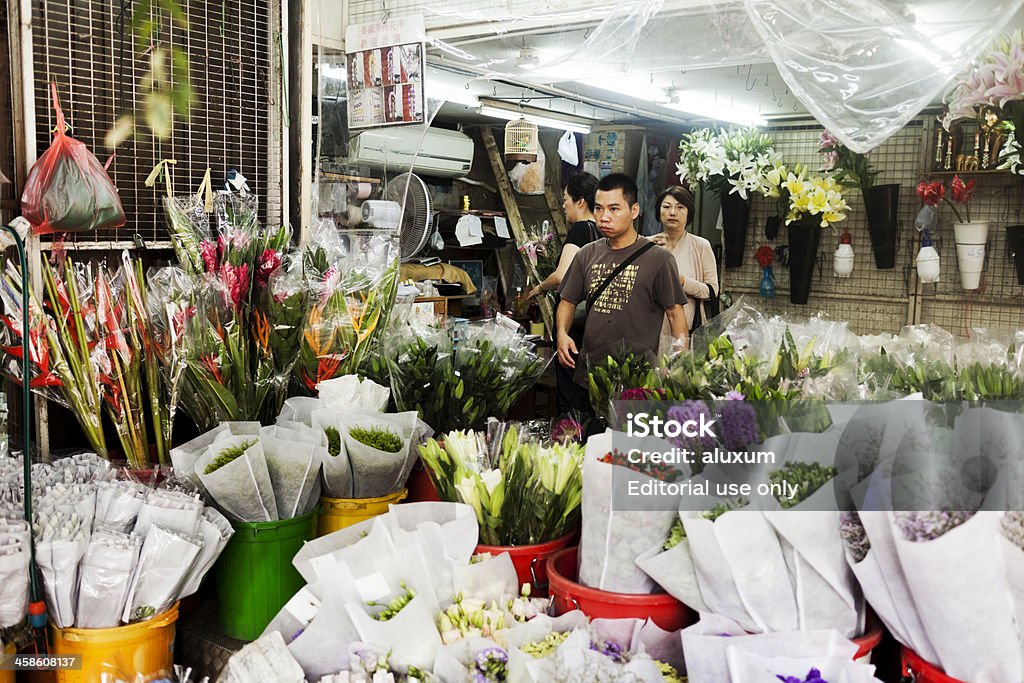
(882,203)
(803,252)
(735,217)
(1015,245)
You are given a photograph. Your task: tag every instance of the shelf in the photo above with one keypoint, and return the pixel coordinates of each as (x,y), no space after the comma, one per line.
(991,171)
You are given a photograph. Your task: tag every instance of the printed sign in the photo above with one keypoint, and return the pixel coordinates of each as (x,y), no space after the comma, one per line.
(385,64)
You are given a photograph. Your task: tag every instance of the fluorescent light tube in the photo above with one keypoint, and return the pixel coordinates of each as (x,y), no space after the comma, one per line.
(545,121)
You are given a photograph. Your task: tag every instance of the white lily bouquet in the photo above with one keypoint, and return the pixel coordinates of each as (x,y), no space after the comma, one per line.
(523,492)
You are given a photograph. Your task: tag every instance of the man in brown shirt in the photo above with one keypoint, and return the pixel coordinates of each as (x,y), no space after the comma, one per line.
(631,309)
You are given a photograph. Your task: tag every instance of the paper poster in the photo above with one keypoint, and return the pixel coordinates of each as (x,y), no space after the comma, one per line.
(501,227)
(385,73)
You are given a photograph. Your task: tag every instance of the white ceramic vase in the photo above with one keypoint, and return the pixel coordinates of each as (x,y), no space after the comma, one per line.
(842,260)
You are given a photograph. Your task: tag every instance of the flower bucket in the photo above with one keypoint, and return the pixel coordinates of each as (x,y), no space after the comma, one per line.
(735,218)
(921,671)
(530,561)
(882,203)
(255,575)
(420,486)
(1015,245)
(661,608)
(803,253)
(705,220)
(339,513)
(141,649)
(970,252)
(870,640)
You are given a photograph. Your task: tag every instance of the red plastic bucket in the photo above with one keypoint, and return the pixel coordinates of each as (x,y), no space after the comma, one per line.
(530,561)
(871,638)
(421,488)
(921,671)
(664,610)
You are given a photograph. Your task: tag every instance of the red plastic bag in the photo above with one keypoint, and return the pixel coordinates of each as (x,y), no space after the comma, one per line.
(68,189)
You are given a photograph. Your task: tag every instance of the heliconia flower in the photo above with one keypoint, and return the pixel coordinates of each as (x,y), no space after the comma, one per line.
(212,364)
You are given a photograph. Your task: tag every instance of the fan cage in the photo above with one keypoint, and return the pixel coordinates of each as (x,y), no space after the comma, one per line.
(521,141)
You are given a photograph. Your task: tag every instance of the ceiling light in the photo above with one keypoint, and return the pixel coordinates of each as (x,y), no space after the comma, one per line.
(708,106)
(545,120)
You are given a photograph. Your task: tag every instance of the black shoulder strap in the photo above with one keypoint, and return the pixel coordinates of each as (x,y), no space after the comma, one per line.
(592,299)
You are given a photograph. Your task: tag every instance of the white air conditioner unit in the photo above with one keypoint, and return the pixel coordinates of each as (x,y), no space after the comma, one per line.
(441,152)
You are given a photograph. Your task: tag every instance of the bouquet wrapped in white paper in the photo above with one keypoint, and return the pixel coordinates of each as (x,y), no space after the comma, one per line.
(164,564)
(14,570)
(293,459)
(107,569)
(234,471)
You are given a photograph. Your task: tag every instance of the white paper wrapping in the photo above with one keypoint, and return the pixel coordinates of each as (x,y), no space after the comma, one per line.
(106,576)
(164,563)
(241,488)
(293,462)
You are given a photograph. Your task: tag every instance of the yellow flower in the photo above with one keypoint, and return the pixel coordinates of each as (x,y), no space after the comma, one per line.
(817,201)
(795,185)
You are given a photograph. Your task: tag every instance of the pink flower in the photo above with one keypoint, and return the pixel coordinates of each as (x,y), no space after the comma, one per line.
(236,279)
(208,250)
(269,261)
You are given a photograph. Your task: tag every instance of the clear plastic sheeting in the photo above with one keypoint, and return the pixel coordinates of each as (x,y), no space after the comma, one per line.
(864,68)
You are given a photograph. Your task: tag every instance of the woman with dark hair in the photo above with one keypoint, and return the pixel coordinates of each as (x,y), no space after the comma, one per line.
(578,204)
(698,270)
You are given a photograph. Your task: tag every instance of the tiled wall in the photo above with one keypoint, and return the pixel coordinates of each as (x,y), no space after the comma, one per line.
(884,300)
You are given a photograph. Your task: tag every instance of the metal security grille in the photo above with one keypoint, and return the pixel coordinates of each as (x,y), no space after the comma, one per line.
(85,47)
(874,300)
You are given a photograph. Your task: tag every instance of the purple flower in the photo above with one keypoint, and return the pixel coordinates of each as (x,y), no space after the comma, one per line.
(491,665)
(738,424)
(566,430)
(852,531)
(687,411)
(734,395)
(813,676)
(927,526)
(611,650)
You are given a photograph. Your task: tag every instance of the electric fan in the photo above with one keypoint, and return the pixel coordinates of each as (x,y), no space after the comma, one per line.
(411,192)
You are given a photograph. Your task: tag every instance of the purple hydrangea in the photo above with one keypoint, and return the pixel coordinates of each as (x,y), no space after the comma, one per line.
(733,395)
(738,423)
(927,526)
(813,676)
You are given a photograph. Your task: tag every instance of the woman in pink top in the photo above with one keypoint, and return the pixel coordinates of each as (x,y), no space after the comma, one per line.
(698,270)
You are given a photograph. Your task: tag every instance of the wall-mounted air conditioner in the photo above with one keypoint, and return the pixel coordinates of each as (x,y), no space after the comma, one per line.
(440,152)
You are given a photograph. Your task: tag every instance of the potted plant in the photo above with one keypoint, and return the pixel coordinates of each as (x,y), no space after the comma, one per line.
(881,202)
(731,165)
(808,203)
(971,236)
(993,87)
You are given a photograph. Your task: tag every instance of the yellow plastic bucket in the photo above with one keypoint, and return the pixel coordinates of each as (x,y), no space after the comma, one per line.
(338,513)
(8,676)
(144,648)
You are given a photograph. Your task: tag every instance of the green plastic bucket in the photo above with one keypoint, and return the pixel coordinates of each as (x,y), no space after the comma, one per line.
(255,575)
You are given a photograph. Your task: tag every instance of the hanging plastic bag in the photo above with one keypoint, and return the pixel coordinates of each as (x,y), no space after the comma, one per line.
(567,149)
(68,189)
(529,178)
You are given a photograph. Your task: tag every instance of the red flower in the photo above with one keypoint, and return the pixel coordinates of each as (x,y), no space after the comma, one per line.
(765,256)
(236,279)
(962,192)
(212,364)
(931,193)
(269,261)
(208,250)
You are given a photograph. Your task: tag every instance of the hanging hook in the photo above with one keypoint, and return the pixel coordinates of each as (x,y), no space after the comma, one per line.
(385,12)
(683,72)
(747,83)
(766,80)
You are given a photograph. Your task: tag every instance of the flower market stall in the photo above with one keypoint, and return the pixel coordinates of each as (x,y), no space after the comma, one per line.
(283,410)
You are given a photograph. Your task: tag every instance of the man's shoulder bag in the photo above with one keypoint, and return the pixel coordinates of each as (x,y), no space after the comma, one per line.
(581,317)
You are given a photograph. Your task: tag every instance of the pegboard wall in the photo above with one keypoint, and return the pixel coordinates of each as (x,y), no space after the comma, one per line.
(873,300)
(86,47)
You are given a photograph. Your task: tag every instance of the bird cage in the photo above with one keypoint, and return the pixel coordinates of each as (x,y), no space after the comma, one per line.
(521,141)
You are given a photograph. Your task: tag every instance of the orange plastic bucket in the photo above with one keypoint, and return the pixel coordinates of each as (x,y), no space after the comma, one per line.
(661,608)
(144,648)
(920,671)
(530,561)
